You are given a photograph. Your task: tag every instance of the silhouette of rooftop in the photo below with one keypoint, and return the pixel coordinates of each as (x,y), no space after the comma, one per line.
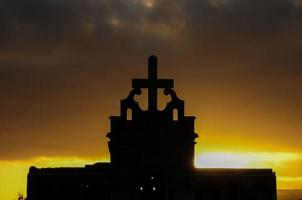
(151,157)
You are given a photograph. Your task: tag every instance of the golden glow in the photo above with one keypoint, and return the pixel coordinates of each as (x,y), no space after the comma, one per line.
(13,179)
(243,160)
(287,182)
(148,3)
(13,173)
(284,164)
(115,22)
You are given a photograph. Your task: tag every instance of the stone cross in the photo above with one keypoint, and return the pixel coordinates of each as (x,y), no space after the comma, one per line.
(152,83)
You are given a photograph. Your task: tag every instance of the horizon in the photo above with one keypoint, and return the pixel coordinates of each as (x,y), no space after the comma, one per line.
(48,162)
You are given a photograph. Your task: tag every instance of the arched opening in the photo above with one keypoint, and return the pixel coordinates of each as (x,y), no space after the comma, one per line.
(162,99)
(142,99)
(175,114)
(129,114)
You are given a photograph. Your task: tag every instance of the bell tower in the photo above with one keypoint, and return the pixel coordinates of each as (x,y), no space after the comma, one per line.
(151,142)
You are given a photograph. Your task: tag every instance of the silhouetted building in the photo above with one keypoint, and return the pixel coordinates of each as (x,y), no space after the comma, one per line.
(152,155)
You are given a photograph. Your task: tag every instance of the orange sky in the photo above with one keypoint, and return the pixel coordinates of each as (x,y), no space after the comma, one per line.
(233,132)
(65,65)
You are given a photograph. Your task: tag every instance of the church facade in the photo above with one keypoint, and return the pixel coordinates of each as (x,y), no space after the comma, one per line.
(152,155)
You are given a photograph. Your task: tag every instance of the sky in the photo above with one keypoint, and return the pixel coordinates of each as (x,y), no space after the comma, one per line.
(65,65)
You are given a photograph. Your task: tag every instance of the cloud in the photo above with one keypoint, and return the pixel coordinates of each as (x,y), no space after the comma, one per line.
(102,27)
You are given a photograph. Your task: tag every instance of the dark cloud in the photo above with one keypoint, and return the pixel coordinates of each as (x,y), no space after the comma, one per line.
(103,27)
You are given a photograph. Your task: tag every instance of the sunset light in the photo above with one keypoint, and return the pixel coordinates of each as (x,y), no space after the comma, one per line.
(243,160)
(14,172)
(174,83)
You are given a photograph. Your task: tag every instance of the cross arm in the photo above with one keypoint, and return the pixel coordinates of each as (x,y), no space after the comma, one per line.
(140,83)
(165,83)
